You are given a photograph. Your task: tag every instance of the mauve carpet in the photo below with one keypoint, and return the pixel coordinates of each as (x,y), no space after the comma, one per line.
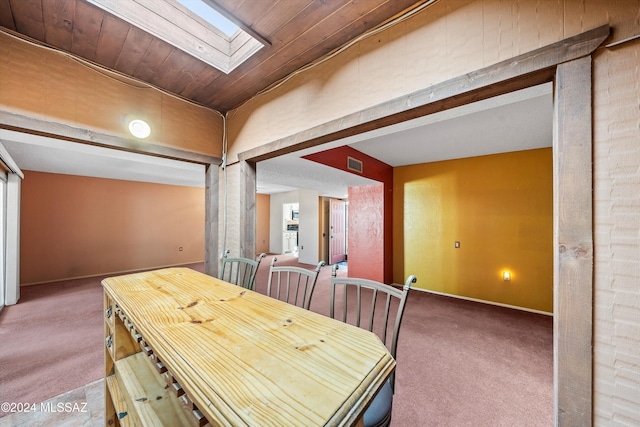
(460,363)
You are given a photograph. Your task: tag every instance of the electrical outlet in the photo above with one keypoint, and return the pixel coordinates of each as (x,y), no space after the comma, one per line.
(457,245)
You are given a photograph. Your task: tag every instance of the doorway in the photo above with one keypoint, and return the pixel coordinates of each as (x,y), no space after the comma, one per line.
(290,228)
(337,231)
(568,64)
(334,217)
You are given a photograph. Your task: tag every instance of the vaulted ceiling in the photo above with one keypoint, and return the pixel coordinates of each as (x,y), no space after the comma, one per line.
(295,33)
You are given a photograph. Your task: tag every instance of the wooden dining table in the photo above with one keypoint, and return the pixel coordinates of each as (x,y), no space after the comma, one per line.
(241,357)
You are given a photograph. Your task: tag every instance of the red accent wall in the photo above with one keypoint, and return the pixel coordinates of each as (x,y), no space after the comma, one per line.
(372,168)
(370,217)
(366,232)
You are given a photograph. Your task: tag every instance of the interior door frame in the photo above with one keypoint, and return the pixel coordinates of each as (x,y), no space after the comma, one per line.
(568,64)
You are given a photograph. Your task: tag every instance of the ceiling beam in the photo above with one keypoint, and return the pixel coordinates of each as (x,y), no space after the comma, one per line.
(528,69)
(52,129)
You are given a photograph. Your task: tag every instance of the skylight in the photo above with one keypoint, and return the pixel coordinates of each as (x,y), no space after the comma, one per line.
(210,15)
(191,26)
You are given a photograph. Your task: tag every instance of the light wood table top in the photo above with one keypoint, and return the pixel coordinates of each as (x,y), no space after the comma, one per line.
(249,360)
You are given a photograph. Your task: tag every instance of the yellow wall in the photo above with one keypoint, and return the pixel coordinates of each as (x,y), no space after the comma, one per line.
(500,209)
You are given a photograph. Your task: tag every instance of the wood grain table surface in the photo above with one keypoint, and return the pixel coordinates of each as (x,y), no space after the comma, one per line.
(249,360)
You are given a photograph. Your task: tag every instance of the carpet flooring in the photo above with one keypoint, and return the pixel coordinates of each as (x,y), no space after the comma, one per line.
(52,340)
(460,363)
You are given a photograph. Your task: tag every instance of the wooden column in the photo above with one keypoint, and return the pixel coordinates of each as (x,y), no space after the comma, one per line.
(248,209)
(573,243)
(211,220)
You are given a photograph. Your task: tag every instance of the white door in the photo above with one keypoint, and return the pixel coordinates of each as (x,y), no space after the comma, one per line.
(10,178)
(3,227)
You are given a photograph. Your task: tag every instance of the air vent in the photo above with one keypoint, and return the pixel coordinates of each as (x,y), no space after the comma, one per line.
(354,165)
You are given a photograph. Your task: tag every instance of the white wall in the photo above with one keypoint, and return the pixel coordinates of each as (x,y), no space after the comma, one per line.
(275,218)
(308,231)
(12,232)
(308,224)
(617,234)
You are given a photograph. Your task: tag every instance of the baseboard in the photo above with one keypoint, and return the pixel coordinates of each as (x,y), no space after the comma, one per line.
(515,307)
(112,273)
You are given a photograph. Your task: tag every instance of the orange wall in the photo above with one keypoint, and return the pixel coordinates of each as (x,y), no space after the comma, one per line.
(263,211)
(74,226)
(46,84)
(499,207)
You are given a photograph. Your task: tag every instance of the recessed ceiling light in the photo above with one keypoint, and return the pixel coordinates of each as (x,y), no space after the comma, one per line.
(139,128)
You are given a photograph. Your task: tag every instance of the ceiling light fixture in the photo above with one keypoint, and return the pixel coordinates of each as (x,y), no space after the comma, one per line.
(139,128)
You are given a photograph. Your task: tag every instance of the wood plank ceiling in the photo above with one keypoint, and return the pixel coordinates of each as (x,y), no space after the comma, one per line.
(299,32)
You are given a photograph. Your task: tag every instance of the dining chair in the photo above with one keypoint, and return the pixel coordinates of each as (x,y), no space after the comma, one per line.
(378,308)
(240,271)
(292,284)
